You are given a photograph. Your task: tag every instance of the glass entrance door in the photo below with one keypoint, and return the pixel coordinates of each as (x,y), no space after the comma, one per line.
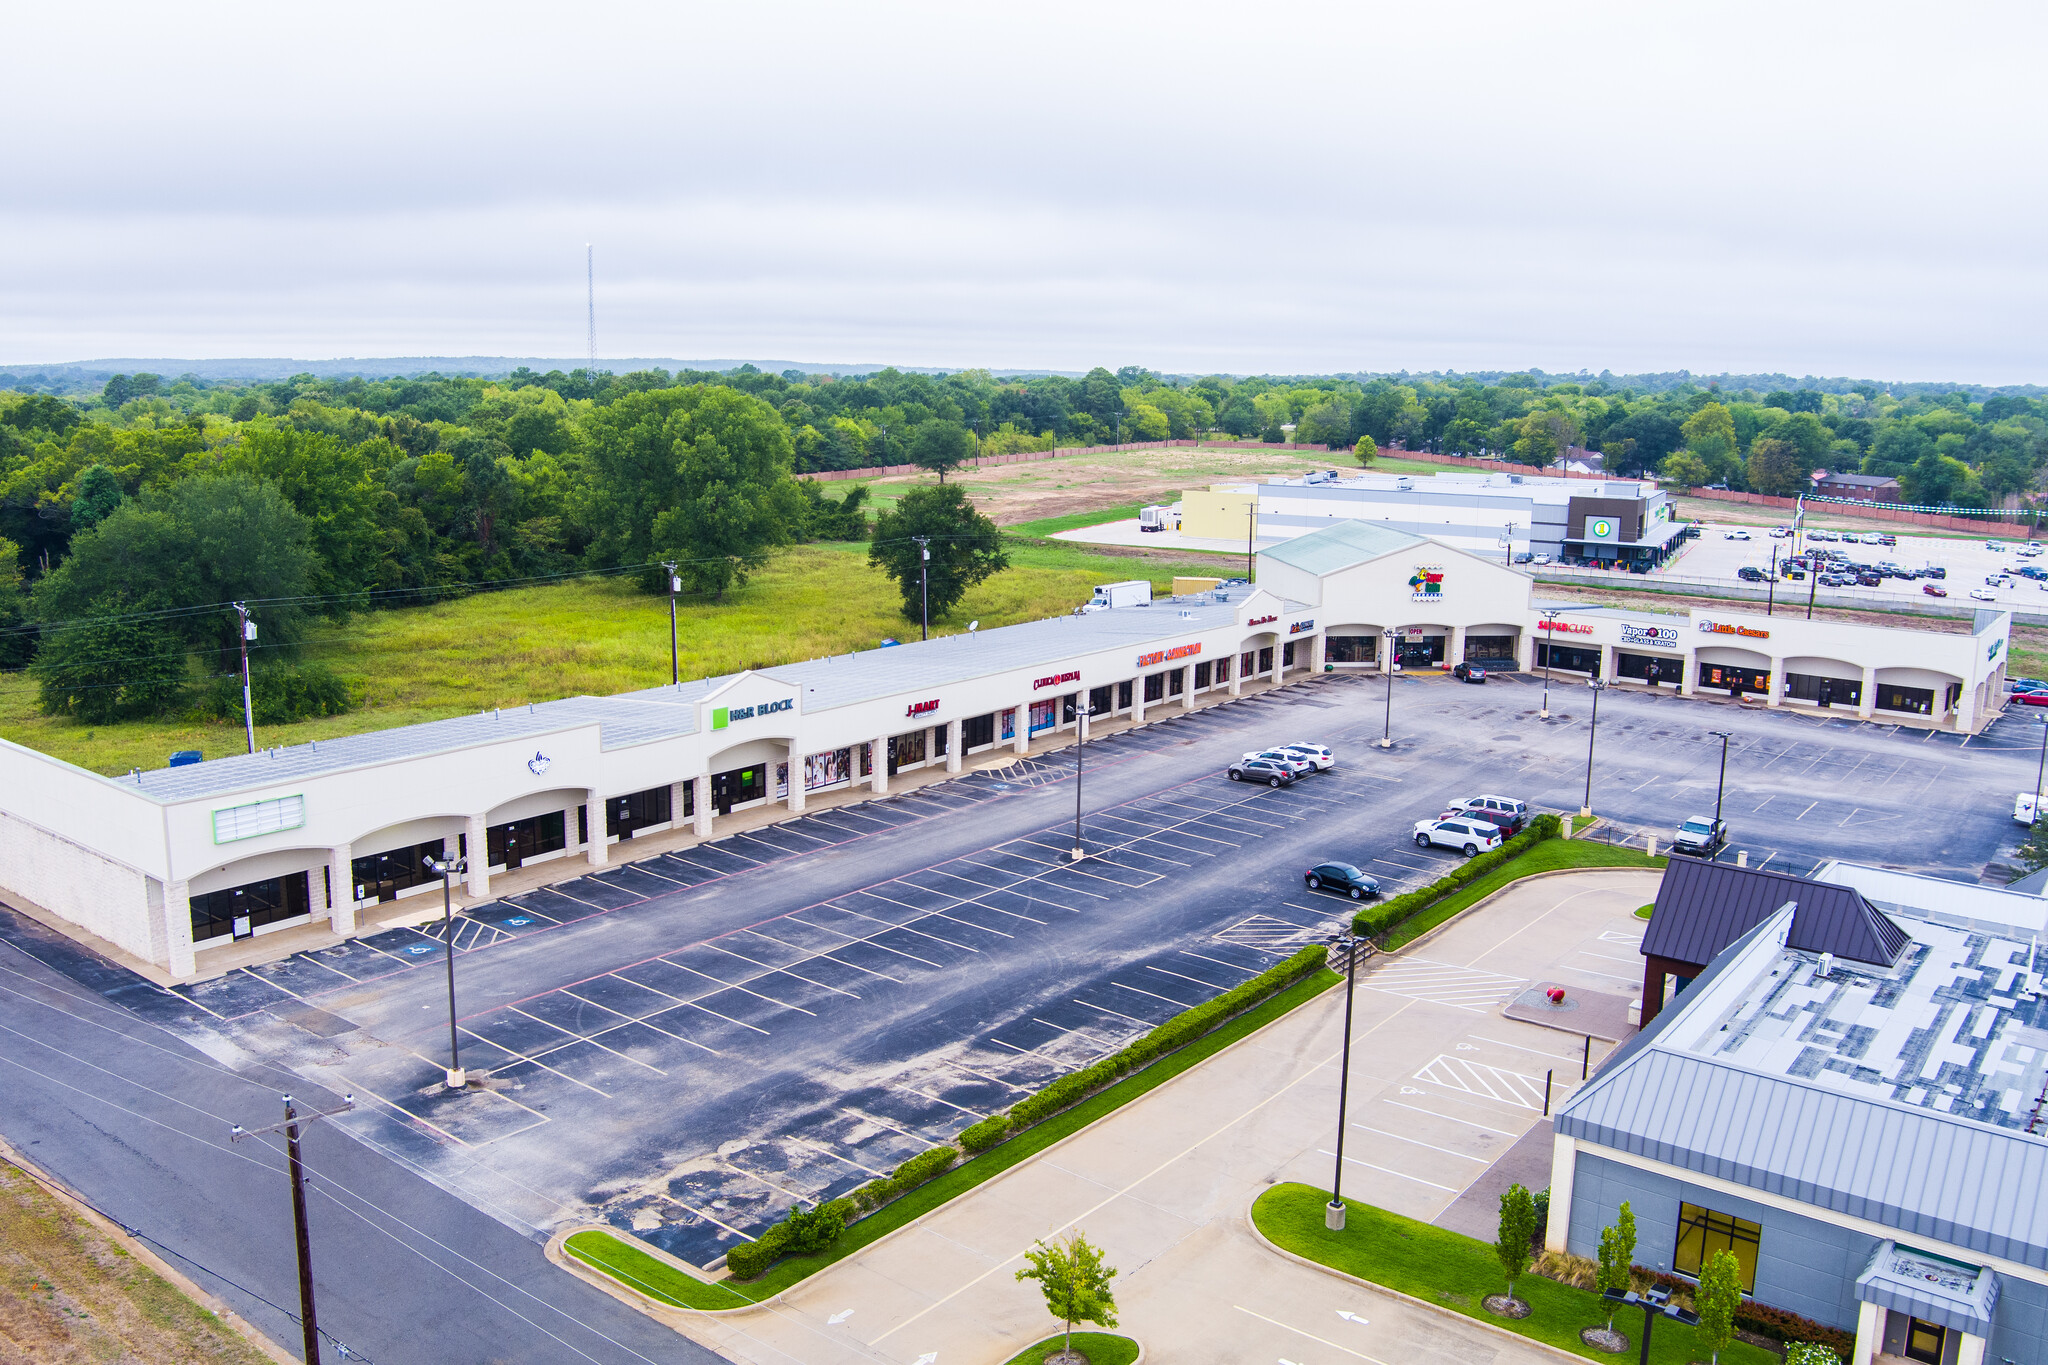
(1924,1341)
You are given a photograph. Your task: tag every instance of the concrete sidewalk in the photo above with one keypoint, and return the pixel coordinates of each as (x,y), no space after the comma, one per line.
(1442,1086)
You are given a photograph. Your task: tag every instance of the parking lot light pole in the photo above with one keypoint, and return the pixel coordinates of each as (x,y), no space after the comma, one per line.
(1081,714)
(2041,770)
(675,585)
(924,592)
(1333,1215)
(1721,783)
(449,867)
(1549,627)
(1387,737)
(1771,597)
(1592,729)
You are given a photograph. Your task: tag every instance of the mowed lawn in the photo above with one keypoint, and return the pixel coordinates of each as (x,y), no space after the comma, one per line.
(587,636)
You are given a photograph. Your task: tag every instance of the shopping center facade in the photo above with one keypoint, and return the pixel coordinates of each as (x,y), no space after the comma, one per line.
(171,863)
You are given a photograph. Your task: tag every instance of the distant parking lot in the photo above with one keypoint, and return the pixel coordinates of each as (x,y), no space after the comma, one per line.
(1968,564)
(688,1045)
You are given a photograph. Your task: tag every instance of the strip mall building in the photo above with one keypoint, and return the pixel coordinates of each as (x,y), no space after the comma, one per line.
(172,863)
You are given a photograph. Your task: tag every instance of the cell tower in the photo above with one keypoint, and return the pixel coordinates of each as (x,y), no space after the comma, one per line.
(590,285)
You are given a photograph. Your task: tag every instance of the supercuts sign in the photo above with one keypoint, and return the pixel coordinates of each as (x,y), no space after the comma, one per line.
(921,708)
(722,716)
(1071,675)
(1566,627)
(1160,656)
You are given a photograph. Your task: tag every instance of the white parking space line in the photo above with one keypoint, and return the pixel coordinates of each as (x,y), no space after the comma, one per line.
(1448,1118)
(1365,1128)
(1383,1170)
(1248,971)
(1104,1009)
(768,969)
(1166,999)
(735,986)
(1523,1047)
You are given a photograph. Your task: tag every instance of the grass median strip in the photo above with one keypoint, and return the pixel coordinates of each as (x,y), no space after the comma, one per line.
(1551,855)
(953,1183)
(1101,1348)
(652,1276)
(1457,1272)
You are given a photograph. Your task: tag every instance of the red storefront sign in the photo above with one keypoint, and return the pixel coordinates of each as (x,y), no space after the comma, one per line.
(1567,627)
(1160,656)
(1071,675)
(921,708)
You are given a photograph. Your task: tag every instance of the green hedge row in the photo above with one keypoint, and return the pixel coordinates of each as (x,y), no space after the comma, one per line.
(1381,916)
(751,1259)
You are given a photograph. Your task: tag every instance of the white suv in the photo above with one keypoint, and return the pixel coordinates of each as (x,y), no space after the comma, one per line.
(1295,763)
(1317,754)
(1499,805)
(1468,836)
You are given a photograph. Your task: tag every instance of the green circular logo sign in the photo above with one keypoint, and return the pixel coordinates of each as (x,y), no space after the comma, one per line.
(1603,527)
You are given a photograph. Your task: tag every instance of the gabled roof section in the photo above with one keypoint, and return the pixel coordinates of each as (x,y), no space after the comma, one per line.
(1703,907)
(1344,545)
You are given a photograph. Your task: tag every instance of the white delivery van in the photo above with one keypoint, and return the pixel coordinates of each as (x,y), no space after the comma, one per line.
(1135,593)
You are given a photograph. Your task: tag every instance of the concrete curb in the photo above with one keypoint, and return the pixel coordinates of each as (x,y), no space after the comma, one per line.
(1557,1351)
(669,1314)
(1043,1340)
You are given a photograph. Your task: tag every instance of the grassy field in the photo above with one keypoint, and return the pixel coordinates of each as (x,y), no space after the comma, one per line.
(69,1294)
(592,636)
(1457,1272)
(1101,1348)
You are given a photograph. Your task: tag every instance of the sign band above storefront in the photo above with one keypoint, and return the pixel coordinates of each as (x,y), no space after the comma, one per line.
(722,716)
(1160,656)
(1071,675)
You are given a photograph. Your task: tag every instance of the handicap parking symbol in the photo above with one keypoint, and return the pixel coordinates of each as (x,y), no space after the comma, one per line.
(518,921)
(419,948)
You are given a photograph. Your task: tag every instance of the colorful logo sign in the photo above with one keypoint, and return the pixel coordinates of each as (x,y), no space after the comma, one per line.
(1723,628)
(1662,637)
(1427,583)
(1160,656)
(1299,626)
(1071,675)
(539,763)
(1566,627)
(1599,528)
(921,708)
(722,716)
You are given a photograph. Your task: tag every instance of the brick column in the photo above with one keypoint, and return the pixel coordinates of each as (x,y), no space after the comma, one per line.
(1868,706)
(953,746)
(178,927)
(1138,700)
(1457,647)
(1692,673)
(878,766)
(341,916)
(676,802)
(1020,721)
(1187,688)
(1315,652)
(1607,663)
(479,855)
(1525,652)
(1236,675)
(1774,695)
(796,775)
(594,851)
(700,804)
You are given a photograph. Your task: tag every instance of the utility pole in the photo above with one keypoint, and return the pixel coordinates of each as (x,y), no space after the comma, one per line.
(590,284)
(248,633)
(1333,1215)
(1771,599)
(1251,532)
(309,1323)
(1387,738)
(924,550)
(675,585)
(1081,713)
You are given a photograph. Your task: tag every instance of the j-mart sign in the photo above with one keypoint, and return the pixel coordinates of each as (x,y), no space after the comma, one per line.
(921,708)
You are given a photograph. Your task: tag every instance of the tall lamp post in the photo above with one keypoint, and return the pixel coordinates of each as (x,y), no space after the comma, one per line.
(1333,1215)
(449,867)
(1082,710)
(1592,729)
(1771,597)
(2040,771)
(1721,783)
(1549,638)
(1251,535)
(1387,737)
(924,623)
(675,585)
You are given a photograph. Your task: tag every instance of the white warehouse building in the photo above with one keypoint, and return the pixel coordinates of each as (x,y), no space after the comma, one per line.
(174,863)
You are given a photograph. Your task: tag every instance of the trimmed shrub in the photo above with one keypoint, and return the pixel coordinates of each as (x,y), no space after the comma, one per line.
(922,1167)
(749,1260)
(872,1194)
(812,1229)
(1378,919)
(981,1136)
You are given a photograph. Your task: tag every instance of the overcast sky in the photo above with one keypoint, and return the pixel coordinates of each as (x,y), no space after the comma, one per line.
(1825,188)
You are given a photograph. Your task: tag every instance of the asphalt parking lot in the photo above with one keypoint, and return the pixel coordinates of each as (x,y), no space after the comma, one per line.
(1715,558)
(688,1045)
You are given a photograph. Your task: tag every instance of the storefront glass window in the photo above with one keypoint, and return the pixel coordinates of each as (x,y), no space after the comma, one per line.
(828,769)
(1702,1232)
(214,913)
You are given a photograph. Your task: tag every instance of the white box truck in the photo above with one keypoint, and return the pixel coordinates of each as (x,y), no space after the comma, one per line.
(1158,518)
(1135,593)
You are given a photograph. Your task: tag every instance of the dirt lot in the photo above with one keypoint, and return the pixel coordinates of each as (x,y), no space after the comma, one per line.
(1015,493)
(1817,514)
(70,1295)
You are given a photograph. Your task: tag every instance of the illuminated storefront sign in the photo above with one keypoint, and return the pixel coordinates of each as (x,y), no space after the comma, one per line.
(921,708)
(1160,656)
(1262,620)
(1657,637)
(722,716)
(1723,628)
(1566,627)
(1299,626)
(1427,583)
(1071,675)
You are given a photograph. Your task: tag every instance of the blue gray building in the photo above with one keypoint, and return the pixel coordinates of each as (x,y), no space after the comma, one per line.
(1852,1097)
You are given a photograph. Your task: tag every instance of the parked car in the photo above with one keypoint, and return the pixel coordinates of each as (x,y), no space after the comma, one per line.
(1294,763)
(1750,573)
(1265,770)
(1465,833)
(1985,594)
(1735,535)
(1541,559)
(2030,551)
(1523,557)
(1471,673)
(1507,822)
(1934,571)
(2024,684)
(1318,756)
(1993,545)
(1780,532)
(1342,878)
(1506,805)
(1871,579)
(1700,837)
(1887,538)
(2030,698)
(1934,590)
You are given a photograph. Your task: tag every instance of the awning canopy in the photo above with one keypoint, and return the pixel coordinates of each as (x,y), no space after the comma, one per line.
(1932,1288)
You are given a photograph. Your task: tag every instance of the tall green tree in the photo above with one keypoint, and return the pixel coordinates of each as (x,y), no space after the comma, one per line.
(700,475)
(940,446)
(331,485)
(108,664)
(98,493)
(1517,1231)
(1075,1282)
(1719,1294)
(965,546)
(1778,466)
(1617,1255)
